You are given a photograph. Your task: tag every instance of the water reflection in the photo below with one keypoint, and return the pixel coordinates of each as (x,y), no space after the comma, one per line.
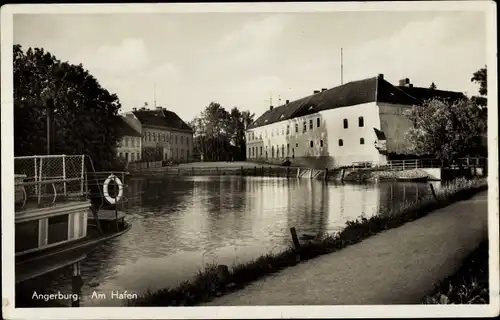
(180,224)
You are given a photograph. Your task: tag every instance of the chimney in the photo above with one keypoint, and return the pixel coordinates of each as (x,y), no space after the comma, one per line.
(134,109)
(271,108)
(405,83)
(402,82)
(381,75)
(159,108)
(316,91)
(287,101)
(324,89)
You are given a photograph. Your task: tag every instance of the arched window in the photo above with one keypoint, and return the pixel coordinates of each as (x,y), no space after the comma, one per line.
(341,142)
(321,143)
(361,121)
(311,143)
(346,124)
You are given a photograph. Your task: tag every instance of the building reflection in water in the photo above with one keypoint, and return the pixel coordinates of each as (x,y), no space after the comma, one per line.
(181,223)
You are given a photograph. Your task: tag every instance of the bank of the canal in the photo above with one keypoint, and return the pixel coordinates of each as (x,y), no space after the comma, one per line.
(208,284)
(399,266)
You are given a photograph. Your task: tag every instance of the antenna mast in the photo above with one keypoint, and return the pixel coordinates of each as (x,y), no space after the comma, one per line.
(154,95)
(341,66)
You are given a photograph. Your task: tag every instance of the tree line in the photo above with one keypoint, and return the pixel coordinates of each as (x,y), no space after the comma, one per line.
(219,135)
(83,115)
(449,130)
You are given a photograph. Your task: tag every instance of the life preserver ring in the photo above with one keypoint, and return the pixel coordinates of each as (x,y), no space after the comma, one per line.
(120,189)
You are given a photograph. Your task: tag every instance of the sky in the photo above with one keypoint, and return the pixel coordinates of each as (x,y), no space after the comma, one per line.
(187,60)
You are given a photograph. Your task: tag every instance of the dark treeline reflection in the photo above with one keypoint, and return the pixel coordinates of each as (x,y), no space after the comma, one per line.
(182,223)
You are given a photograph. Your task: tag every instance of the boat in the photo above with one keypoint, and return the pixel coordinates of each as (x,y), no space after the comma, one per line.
(63,210)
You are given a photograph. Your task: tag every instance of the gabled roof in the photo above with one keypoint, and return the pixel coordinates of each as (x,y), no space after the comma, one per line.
(424,94)
(126,129)
(161,118)
(349,94)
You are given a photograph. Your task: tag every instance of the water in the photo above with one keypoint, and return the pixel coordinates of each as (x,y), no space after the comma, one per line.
(180,224)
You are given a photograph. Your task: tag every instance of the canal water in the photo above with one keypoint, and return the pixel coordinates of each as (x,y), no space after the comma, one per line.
(180,224)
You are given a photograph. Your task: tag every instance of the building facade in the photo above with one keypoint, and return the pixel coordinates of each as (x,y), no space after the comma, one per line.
(361,121)
(129,148)
(163,132)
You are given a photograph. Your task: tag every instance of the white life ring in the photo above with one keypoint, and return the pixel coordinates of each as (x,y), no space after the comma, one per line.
(120,189)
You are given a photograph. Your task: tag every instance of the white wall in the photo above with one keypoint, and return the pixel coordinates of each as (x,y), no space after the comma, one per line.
(325,137)
(394,125)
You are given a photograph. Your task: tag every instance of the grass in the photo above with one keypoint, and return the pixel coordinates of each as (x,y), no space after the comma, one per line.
(469,285)
(212,282)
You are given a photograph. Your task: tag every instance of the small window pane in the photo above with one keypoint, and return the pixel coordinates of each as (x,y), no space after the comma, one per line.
(362,141)
(341,142)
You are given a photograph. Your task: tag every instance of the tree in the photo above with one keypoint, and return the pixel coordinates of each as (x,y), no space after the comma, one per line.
(220,135)
(433,86)
(447,131)
(480,77)
(84,115)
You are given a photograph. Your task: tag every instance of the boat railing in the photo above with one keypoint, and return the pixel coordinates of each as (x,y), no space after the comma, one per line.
(115,180)
(45,180)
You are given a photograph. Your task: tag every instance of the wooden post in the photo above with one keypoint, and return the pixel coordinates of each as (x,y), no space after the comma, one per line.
(76,284)
(296,243)
(433,191)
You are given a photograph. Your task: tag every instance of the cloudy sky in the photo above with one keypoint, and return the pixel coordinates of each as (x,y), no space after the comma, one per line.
(241,59)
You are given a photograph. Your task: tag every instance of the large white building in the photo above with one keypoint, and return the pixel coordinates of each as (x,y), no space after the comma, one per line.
(360,121)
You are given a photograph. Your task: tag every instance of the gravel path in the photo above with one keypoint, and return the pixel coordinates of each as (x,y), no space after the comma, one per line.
(398,266)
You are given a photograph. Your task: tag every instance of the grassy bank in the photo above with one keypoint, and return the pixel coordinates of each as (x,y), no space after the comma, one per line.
(469,285)
(215,281)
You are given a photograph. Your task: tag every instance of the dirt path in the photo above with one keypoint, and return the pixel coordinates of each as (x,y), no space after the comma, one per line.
(399,266)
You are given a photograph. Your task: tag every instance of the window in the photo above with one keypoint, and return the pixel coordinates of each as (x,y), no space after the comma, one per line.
(311,143)
(26,235)
(296,128)
(361,121)
(277,151)
(304,127)
(176,141)
(154,136)
(282,131)
(282,150)
(272,151)
(318,122)
(341,142)
(182,139)
(288,129)
(57,229)
(346,125)
(310,124)
(296,145)
(261,151)
(287,149)
(361,140)
(321,143)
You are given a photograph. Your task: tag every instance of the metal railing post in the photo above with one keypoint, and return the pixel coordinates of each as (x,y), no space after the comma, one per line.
(403,164)
(64,173)
(40,179)
(83,177)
